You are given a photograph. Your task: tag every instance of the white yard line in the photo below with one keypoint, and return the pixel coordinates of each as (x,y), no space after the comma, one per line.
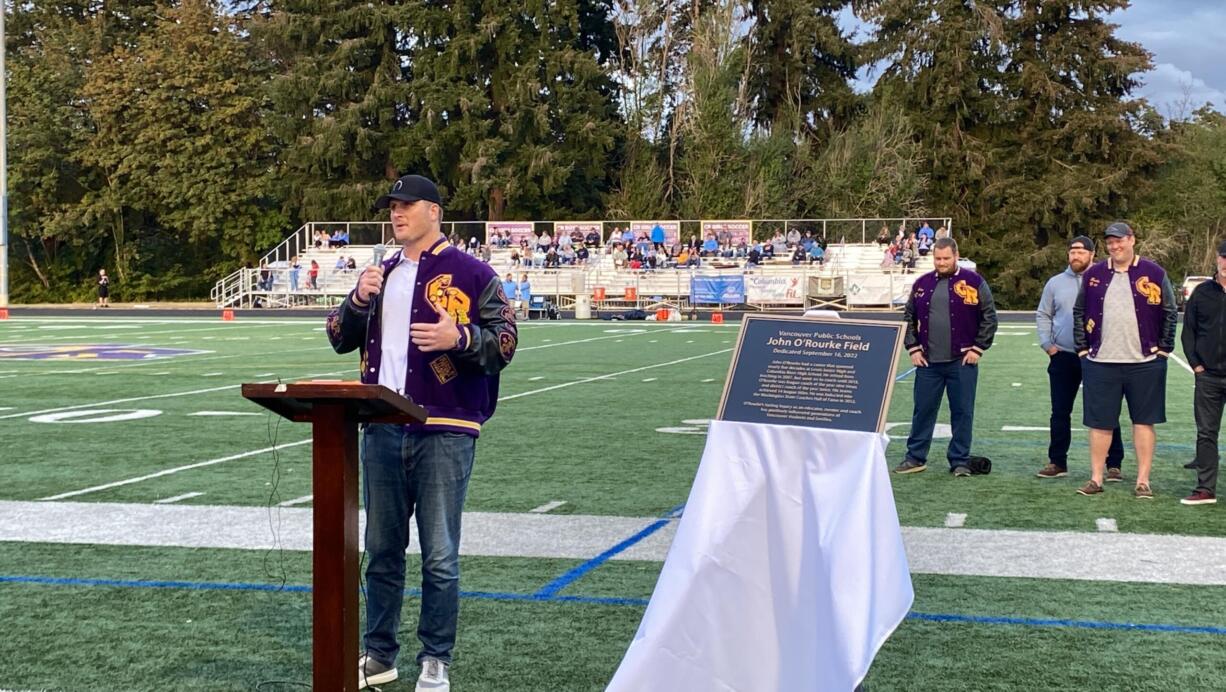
(167,472)
(1184,363)
(612,375)
(297,501)
(548,506)
(1106,525)
(1024,428)
(226,413)
(176,498)
(1056,555)
(121,401)
(955,521)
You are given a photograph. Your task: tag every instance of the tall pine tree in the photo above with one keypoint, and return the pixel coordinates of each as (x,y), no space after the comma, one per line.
(801,66)
(515,108)
(339,92)
(1072,157)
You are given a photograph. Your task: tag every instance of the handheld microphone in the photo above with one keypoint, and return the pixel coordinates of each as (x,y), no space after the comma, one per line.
(376,259)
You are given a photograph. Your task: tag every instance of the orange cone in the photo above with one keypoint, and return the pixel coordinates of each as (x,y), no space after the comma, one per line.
(227,315)
(717,318)
(4,313)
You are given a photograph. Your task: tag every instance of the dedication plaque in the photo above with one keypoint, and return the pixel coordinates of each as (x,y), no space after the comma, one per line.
(816,373)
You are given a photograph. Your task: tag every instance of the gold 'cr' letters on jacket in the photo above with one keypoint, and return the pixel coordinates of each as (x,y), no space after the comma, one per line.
(969,295)
(1149,289)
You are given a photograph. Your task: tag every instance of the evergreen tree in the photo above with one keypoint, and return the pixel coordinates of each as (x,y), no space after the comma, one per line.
(1073,158)
(515,105)
(338,99)
(801,65)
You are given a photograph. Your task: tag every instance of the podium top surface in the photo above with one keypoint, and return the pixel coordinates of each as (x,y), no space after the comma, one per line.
(367,403)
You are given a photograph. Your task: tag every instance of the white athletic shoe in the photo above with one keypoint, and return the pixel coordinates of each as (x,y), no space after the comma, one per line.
(371,672)
(433,676)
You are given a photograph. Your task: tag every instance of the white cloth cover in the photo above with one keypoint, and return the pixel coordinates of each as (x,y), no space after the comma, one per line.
(787,571)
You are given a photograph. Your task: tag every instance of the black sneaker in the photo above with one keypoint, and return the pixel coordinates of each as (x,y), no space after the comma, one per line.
(910,466)
(1192,465)
(960,472)
(372,672)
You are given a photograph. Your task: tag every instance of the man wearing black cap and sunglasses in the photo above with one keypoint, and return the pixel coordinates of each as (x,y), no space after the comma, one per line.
(1054,318)
(433,323)
(1124,328)
(1204,344)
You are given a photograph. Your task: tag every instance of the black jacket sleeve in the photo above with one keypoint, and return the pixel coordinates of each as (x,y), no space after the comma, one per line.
(1170,318)
(1191,323)
(346,324)
(911,340)
(489,344)
(987,319)
(1080,343)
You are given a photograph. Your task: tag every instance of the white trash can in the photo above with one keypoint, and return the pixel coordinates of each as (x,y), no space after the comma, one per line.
(583,307)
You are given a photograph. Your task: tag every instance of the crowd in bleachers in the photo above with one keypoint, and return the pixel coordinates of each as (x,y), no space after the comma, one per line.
(652,250)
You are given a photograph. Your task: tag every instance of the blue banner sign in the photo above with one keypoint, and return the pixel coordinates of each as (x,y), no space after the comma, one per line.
(728,290)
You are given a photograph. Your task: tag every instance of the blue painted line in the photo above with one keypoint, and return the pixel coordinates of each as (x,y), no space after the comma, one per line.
(902,376)
(1079,624)
(674,512)
(144,584)
(541,597)
(573,575)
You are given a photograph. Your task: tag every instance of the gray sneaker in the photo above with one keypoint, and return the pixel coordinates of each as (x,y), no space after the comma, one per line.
(372,672)
(433,676)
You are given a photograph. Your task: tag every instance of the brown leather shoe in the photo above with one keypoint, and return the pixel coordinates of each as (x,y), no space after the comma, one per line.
(1114,476)
(1090,488)
(1143,492)
(1052,471)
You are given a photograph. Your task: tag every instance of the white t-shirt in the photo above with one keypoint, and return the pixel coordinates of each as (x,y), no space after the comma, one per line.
(395,317)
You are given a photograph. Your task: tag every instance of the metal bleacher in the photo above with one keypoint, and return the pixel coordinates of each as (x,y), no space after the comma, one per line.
(852,270)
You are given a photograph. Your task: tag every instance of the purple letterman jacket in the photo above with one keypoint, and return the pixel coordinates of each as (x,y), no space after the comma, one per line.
(972,312)
(458,388)
(1153,299)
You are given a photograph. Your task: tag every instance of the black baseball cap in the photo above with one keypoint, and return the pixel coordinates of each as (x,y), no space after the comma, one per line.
(1119,229)
(1221,249)
(411,188)
(1081,242)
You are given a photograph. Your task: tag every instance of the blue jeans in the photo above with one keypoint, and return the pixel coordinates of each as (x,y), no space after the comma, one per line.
(405,474)
(932,383)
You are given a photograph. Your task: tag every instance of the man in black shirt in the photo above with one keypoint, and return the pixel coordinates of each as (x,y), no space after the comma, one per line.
(1204,344)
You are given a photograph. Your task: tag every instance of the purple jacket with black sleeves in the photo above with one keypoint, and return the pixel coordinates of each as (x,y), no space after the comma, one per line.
(458,388)
(972,313)
(1153,300)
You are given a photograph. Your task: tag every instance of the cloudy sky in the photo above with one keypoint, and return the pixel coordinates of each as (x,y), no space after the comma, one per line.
(1187,39)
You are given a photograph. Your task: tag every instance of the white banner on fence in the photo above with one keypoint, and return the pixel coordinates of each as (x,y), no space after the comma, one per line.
(774,289)
(672,230)
(519,230)
(578,230)
(728,231)
(879,289)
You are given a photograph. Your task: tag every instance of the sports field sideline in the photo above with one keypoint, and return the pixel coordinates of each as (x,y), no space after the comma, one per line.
(153,524)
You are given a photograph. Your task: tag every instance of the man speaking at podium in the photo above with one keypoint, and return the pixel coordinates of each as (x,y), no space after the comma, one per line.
(432,323)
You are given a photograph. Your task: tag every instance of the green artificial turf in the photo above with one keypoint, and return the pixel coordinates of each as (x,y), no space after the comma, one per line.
(592,443)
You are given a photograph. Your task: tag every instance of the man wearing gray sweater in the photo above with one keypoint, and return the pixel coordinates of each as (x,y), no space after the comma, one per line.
(1054,318)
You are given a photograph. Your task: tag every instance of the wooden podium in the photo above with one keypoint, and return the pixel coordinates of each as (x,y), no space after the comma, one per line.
(334,410)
